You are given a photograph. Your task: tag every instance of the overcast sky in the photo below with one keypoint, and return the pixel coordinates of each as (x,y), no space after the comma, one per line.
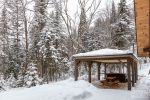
(73,5)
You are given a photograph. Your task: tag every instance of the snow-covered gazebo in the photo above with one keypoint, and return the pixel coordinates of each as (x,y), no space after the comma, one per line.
(108,56)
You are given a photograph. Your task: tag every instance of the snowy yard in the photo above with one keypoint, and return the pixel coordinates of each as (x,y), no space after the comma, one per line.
(38,40)
(81,90)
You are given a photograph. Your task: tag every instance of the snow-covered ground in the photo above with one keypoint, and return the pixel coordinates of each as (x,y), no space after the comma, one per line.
(81,90)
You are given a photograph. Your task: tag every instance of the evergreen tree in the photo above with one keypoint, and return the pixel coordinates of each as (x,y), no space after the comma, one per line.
(122,29)
(31,78)
(113,20)
(82,32)
(39,21)
(15,21)
(52,47)
(5,37)
(113,15)
(59,40)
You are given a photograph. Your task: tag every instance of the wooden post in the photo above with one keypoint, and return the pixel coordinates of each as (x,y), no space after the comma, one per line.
(89,67)
(133,74)
(105,70)
(129,74)
(99,70)
(76,70)
(123,67)
(136,72)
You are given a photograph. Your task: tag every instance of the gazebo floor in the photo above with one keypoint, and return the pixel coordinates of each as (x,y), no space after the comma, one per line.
(98,84)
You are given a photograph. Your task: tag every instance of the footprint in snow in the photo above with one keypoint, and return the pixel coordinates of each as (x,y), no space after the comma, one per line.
(82,96)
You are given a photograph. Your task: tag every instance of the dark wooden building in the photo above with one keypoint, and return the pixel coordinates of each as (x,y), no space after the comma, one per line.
(108,56)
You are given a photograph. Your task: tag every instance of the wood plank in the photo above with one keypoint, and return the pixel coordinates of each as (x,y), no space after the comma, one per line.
(141,2)
(110,61)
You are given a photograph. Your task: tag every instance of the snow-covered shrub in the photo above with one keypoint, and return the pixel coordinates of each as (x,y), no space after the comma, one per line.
(2,82)
(11,81)
(20,81)
(31,78)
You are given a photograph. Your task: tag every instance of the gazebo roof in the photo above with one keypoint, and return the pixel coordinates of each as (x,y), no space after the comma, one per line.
(106,55)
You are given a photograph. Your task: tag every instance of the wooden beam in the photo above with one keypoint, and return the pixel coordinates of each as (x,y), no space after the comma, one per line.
(89,67)
(99,70)
(113,57)
(111,61)
(129,74)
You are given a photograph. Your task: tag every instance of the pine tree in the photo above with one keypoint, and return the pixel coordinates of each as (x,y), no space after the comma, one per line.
(113,20)
(15,21)
(31,78)
(52,47)
(113,15)
(39,21)
(122,29)
(4,37)
(82,31)
(59,40)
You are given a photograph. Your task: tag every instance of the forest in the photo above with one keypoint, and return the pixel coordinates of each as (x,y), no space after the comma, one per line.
(39,37)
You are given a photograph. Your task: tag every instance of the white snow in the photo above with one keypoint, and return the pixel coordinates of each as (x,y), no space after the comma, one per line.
(105,52)
(66,90)
(82,90)
(71,90)
(142,88)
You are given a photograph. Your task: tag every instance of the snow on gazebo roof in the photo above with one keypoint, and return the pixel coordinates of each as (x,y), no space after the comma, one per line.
(103,52)
(107,55)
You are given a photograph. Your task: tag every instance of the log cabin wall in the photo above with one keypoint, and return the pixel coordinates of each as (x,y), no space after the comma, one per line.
(142,26)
